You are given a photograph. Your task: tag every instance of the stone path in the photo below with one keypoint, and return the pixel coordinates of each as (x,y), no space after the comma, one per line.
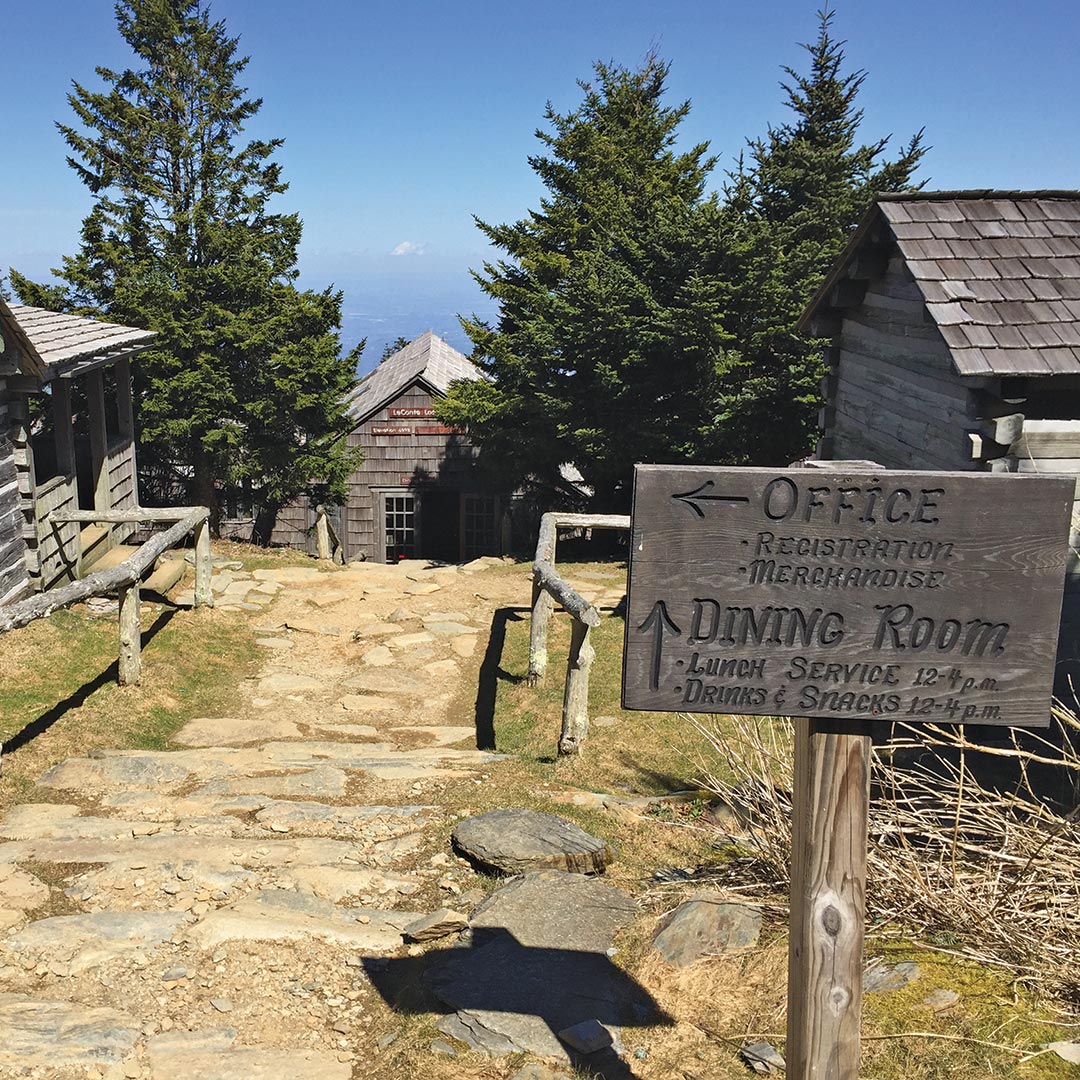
(200,913)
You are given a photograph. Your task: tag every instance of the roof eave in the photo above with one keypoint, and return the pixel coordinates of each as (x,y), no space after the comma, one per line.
(362,418)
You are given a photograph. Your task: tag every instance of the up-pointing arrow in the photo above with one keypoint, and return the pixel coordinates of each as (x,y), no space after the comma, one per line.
(658,622)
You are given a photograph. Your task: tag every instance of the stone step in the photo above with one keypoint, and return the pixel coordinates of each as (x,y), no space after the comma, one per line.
(54,1034)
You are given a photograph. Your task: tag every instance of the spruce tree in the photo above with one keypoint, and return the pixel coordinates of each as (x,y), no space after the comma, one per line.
(245,382)
(608,337)
(789,208)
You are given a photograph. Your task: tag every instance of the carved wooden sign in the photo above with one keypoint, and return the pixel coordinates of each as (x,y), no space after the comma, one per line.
(392,429)
(410,412)
(906,596)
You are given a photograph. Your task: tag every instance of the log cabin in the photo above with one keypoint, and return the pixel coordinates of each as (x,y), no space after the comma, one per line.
(953,321)
(67,441)
(418,492)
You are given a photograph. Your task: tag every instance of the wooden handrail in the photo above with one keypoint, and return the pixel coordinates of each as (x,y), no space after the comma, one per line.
(124,578)
(549,588)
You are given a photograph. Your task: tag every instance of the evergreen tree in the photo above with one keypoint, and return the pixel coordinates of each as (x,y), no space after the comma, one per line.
(245,382)
(788,210)
(608,337)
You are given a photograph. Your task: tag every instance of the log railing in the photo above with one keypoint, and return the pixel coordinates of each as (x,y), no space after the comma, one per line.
(124,578)
(549,589)
(328,543)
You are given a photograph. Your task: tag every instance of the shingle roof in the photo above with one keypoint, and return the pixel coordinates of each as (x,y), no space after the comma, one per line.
(58,342)
(427,358)
(1000,273)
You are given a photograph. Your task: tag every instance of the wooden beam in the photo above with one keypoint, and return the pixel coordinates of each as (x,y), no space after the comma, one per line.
(1002,429)
(24,384)
(136,514)
(62,427)
(830,806)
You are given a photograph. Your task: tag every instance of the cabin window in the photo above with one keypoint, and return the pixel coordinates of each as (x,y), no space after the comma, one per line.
(479,526)
(399,518)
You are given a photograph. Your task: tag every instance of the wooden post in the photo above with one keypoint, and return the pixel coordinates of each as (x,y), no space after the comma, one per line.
(204,563)
(130,636)
(322,534)
(99,439)
(830,803)
(542,607)
(575,714)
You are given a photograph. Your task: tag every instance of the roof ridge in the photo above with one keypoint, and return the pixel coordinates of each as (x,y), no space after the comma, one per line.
(978,193)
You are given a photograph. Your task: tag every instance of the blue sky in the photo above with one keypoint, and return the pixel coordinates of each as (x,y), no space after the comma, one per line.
(404,119)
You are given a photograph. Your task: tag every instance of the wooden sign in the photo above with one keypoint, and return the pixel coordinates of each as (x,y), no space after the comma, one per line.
(400,412)
(437,429)
(392,429)
(904,596)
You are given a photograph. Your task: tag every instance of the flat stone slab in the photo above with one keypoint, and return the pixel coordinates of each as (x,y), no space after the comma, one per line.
(343,821)
(421,588)
(377,629)
(285,682)
(274,643)
(51,1034)
(389,682)
(707,926)
(347,731)
(380,656)
(411,641)
(449,629)
(233,731)
(90,940)
(321,782)
(289,575)
(367,703)
(439,734)
(335,883)
(436,925)
(27,823)
(109,773)
(20,890)
(515,841)
(249,1064)
(280,915)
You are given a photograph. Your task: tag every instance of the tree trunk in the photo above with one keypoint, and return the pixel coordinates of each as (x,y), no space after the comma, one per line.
(205,490)
(265,520)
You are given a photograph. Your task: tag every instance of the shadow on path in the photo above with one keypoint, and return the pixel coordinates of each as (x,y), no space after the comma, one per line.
(490,675)
(511,997)
(46,720)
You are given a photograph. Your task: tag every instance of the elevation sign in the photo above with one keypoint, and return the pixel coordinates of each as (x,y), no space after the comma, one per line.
(906,596)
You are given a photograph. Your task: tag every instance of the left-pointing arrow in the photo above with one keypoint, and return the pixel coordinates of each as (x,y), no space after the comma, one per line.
(692,498)
(658,623)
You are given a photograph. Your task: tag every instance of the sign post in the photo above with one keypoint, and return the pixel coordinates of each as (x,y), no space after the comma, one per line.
(840,598)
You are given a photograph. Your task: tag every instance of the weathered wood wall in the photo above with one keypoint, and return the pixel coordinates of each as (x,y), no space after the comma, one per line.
(893,395)
(14,578)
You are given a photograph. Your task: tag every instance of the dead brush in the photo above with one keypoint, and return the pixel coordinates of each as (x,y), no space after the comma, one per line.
(970,851)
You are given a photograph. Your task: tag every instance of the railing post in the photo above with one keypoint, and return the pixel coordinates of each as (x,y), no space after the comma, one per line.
(543,604)
(575,714)
(130,664)
(204,596)
(322,533)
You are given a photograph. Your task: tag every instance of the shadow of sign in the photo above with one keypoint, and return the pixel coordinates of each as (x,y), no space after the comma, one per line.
(511,997)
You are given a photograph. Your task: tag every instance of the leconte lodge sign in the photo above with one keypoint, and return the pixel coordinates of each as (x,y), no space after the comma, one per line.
(903,596)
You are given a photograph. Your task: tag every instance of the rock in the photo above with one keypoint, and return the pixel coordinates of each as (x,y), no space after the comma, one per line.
(274,643)
(376,629)
(279,915)
(322,782)
(285,682)
(222,1005)
(117,771)
(763,1058)
(880,978)
(248,1064)
(436,925)
(536,1071)
(380,656)
(93,939)
(1067,1051)
(441,1046)
(52,1034)
(706,926)
(389,682)
(516,841)
(19,890)
(464,646)
(411,641)
(387,1040)
(366,703)
(546,929)
(401,615)
(231,731)
(940,1000)
(290,575)
(421,588)
(174,974)
(439,735)
(187,1042)
(448,629)
(586,1037)
(325,598)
